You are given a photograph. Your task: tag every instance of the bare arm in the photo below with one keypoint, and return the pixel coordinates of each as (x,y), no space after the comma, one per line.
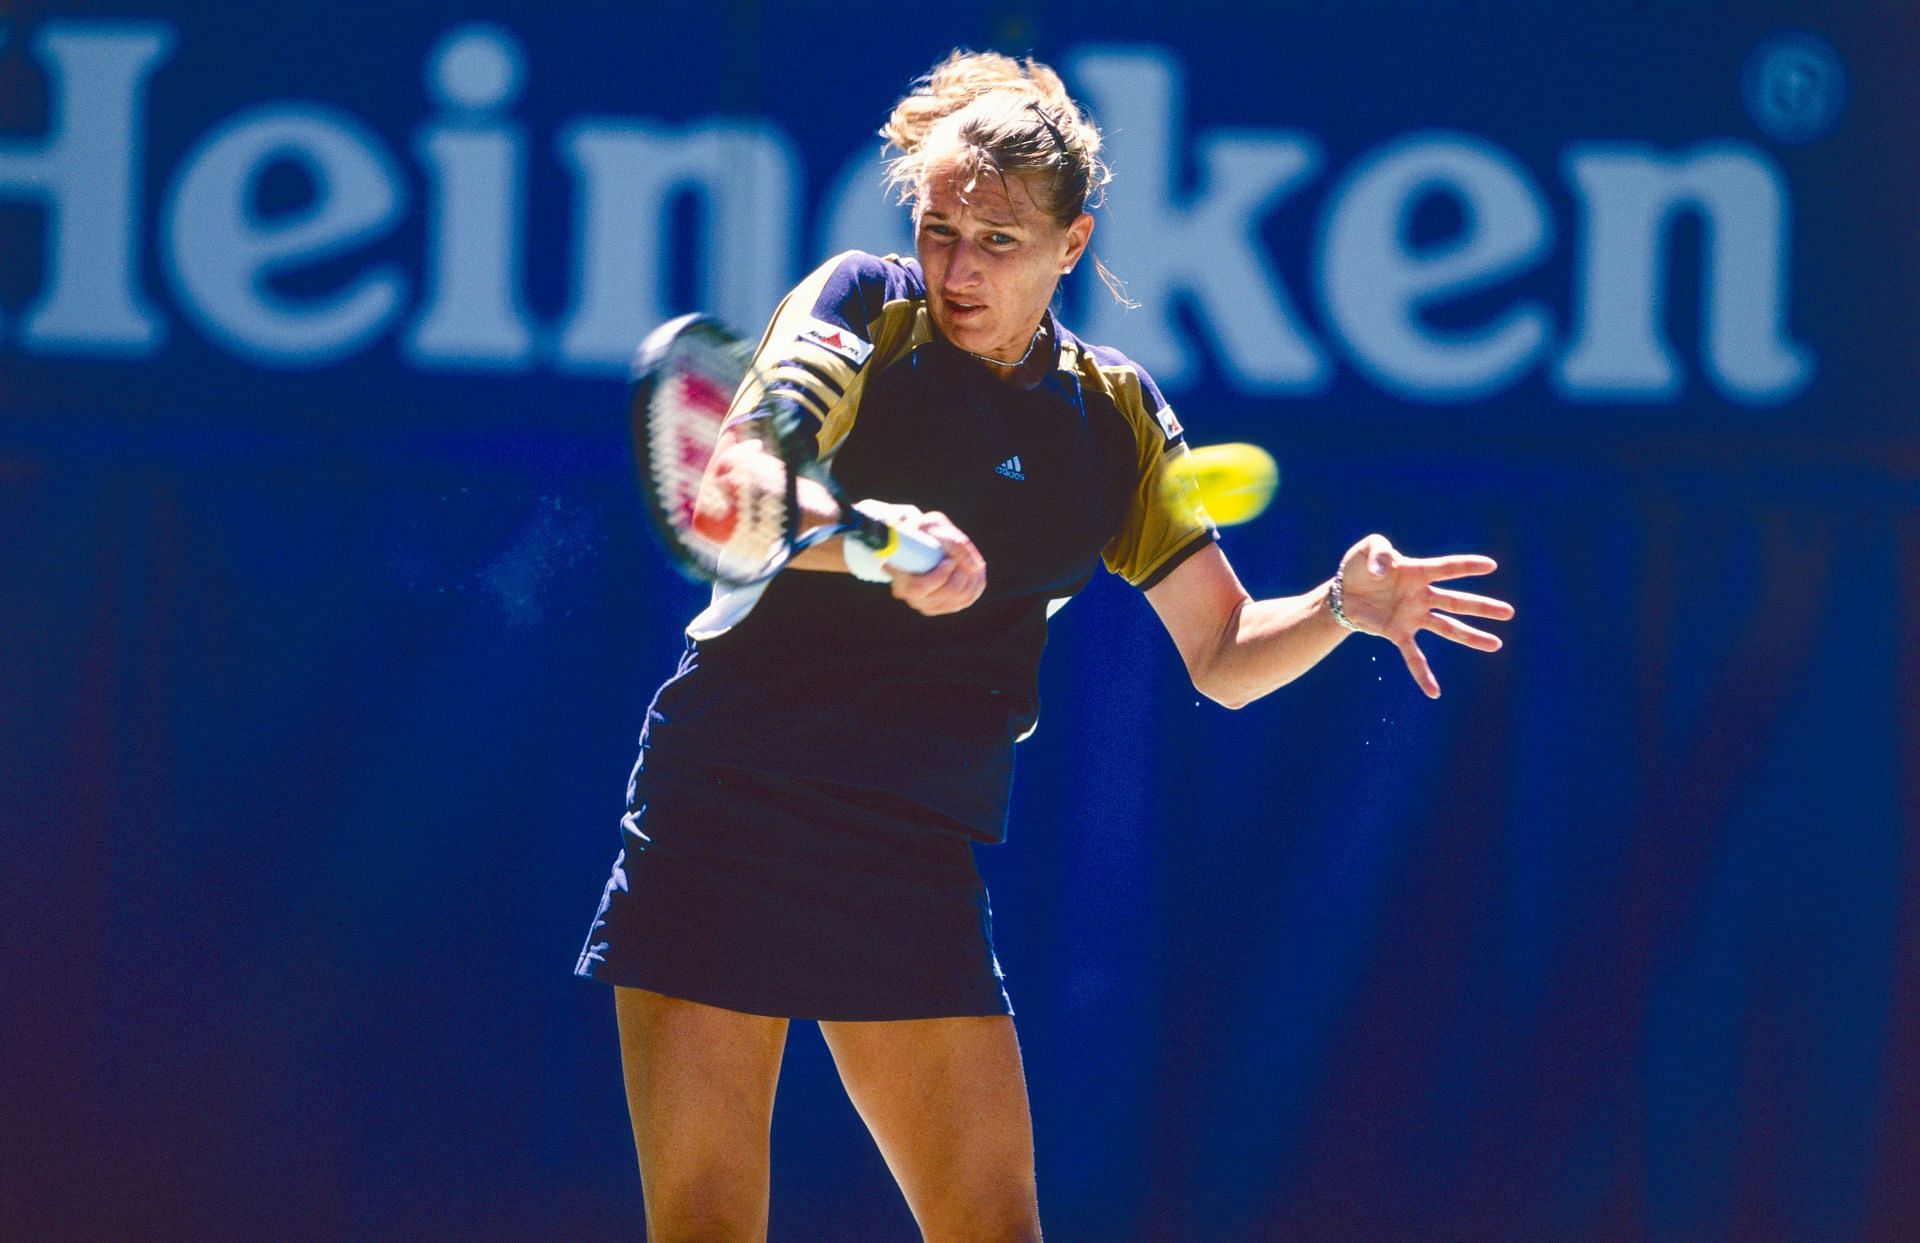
(1237,648)
(741,463)
(952,585)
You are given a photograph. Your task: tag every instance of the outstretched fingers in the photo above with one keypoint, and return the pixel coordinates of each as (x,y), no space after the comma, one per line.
(1417,665)
(1471,604)
(1466,565)
(1448,628)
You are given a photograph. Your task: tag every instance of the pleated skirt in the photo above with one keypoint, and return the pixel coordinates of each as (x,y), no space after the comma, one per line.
(792,897)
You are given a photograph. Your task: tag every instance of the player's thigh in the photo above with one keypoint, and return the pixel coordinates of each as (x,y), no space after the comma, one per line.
(700,1086)
(946,1100)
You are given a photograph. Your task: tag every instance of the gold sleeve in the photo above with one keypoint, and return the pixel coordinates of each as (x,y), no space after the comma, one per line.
(803,357)
(824,337)
(1162,527)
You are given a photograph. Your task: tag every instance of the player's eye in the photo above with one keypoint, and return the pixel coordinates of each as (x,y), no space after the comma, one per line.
(1001,239)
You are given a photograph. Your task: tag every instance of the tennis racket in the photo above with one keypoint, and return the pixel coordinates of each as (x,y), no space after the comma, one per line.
(736,516)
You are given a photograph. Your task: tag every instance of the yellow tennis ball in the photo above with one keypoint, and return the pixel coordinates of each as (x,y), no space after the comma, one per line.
(1232,482)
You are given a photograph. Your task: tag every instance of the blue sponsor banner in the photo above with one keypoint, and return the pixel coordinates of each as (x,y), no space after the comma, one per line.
(329,616)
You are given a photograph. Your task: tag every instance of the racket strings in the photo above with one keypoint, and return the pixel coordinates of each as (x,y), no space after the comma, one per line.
(737,526)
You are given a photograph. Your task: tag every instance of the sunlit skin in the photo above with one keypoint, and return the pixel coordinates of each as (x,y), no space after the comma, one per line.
(946,1099)
(1392,595)
(992,259)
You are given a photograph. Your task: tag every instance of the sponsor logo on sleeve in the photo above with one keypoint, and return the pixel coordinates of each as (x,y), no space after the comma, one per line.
(1169,423)
(837,340)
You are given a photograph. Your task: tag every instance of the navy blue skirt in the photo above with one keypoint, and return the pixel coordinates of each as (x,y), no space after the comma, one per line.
(792,897)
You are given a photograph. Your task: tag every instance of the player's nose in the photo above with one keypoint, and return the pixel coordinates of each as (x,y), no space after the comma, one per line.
(965,270)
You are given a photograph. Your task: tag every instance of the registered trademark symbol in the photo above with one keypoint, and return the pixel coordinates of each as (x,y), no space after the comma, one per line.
(1794,87)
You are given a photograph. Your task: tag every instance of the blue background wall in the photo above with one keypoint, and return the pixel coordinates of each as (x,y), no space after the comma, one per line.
(320,672)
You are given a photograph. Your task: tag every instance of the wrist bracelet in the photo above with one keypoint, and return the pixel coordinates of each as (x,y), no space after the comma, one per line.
(1339,608)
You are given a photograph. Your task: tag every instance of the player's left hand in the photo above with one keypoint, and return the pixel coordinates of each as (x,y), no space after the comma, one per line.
(1387,593)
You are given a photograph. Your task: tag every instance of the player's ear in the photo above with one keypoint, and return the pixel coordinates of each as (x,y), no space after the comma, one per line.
(1078,234)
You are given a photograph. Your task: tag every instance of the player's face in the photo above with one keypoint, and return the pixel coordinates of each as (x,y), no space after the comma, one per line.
(992,259)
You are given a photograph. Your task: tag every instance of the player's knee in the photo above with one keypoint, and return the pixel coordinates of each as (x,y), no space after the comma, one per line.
(999,1215)
(691,1225)
(973,1230)
(711,1206)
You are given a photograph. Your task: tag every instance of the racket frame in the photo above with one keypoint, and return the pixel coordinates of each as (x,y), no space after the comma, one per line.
(788,442)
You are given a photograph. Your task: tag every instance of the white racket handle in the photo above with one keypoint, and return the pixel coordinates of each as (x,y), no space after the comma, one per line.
(889,543)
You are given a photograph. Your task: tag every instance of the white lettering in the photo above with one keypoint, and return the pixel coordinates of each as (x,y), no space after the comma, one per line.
(86,175)
(474,317)
(1374,286)
(626,176)
(244,268)
(221,252)
(1206,250)
(1629,195)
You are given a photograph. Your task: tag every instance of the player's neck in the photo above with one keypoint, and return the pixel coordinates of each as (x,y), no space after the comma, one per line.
(1031,367)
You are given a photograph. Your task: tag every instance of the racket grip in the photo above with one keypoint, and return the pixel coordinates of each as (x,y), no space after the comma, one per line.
(895,545)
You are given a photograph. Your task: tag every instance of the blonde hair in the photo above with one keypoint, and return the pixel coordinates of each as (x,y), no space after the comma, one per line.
(983,112)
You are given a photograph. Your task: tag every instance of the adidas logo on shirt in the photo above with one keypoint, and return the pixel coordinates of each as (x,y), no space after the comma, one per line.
(1011,469)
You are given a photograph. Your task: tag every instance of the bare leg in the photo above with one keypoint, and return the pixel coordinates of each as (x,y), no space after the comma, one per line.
(700,1084)
(946,1101)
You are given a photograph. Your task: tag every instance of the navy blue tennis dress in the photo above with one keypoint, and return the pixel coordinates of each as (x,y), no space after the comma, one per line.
(835,878)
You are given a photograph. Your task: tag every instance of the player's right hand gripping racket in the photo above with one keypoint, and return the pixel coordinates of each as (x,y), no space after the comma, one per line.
(737,516)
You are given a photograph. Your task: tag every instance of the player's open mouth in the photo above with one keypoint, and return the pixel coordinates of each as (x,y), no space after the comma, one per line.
(962,310)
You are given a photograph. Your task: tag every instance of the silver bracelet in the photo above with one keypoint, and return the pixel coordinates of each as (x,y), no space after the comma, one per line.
(1339,608)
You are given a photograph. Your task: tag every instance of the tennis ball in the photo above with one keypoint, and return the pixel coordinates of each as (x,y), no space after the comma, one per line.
(1232,482)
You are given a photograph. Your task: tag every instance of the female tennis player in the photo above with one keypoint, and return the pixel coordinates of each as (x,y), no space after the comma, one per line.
(800,827)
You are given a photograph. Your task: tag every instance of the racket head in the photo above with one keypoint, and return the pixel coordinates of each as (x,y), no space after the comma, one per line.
(686,376)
